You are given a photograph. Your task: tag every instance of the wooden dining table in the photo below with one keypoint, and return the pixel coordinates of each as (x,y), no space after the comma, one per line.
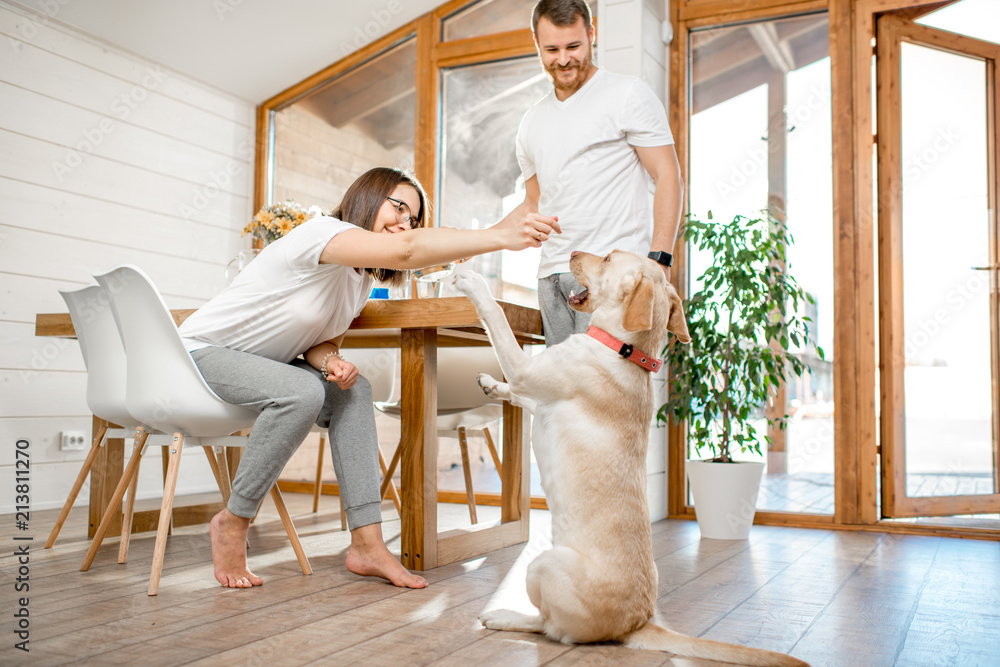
(418,327)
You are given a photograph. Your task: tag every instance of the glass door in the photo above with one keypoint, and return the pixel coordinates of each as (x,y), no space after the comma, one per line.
(937,113)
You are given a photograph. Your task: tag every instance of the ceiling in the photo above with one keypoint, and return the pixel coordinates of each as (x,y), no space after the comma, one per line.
(252,50)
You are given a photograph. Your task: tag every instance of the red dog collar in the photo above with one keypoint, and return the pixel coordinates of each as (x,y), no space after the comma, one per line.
(649,362)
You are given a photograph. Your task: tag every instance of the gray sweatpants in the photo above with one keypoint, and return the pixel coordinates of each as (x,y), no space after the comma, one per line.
(289,399)
(559,321)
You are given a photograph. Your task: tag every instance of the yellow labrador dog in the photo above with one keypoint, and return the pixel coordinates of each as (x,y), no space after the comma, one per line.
(592,401)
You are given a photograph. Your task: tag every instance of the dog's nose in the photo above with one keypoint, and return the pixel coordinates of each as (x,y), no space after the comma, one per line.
(574,254)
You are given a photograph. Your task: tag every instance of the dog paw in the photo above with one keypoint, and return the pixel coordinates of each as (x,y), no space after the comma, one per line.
(472,285)
(506,619)
(491,387)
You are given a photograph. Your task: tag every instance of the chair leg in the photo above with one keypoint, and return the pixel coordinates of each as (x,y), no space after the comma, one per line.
(493,451)
(75,491)
(293,537)
(319,474)
(166,508)
(463,444)
(128,513)
(391,471)
(165,458)
(225,483)
(393,493)
(131,470)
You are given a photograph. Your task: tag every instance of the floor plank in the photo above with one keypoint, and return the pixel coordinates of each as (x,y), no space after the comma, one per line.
(829,597)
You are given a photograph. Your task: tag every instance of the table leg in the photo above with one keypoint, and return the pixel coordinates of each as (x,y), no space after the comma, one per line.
(418,462)
(104,475)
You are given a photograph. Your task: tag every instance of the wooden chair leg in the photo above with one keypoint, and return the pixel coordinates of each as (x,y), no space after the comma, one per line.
(223,464)
(319,474)
(127,515)
(213,463)
(131,470)
(493,451)
(75,491)
(166,507)
(387,481)
(293,537)
(463,444)
(165,458)
(393,493)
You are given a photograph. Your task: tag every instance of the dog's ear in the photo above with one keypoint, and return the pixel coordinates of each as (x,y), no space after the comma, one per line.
(677,323)
(639,306)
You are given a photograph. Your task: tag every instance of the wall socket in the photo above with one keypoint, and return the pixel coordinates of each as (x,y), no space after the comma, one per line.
(73,441)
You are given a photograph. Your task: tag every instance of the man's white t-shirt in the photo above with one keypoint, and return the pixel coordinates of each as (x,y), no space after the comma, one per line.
(588,173)
(284,302)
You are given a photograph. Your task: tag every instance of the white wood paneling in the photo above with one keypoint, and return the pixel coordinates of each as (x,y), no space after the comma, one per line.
(108,159)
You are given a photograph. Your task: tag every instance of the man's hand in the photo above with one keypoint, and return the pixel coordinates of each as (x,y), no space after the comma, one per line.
(666,271)
(344,373)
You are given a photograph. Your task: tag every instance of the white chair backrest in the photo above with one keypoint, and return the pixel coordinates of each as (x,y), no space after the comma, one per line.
(103,354)
(457,369)
(164,388)
(378,365)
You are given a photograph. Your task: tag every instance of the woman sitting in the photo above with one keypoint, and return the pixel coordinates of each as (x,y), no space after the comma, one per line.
(271,342)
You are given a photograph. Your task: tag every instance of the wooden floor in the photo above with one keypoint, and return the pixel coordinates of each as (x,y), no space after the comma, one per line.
(828,597)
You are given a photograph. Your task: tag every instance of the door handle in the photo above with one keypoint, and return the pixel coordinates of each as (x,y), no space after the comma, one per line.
(985,268)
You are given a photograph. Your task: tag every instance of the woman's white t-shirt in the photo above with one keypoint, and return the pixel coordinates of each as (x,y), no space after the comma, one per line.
(589,175)
(284,302)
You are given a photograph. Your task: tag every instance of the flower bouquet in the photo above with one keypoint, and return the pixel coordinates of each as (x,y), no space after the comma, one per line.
(275,220)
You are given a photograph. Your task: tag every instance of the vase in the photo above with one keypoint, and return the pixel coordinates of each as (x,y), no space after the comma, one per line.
(725,496)
(238,263)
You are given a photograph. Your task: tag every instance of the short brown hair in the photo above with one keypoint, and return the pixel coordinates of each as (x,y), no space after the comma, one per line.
(561,13)
(365,197)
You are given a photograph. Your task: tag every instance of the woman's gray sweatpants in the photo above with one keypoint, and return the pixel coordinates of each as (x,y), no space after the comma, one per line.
(289,399)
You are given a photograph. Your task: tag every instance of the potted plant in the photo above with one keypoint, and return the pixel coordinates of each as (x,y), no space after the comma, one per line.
(742,320)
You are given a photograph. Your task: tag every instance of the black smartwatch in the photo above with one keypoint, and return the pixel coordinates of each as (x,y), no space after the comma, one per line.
(660,257)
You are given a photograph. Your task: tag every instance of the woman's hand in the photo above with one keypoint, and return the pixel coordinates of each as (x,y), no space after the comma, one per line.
(526,231)
(344,373)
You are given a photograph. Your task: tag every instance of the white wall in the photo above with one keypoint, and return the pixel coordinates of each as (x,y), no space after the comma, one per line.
(618,49)
(107,159)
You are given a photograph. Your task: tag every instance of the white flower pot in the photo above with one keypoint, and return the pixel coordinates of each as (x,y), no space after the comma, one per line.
(725,496)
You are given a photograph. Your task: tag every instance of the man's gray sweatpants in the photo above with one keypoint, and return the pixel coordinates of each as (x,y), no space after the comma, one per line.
(289,399)
(559,321)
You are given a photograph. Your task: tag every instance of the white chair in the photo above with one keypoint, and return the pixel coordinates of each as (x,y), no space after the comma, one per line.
(462,407)
(165,391)
(104,358)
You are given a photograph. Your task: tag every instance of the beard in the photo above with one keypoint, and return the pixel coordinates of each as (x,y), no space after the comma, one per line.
(570,79)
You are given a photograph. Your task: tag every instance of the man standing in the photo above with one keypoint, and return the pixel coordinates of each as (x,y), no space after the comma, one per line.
(586,151)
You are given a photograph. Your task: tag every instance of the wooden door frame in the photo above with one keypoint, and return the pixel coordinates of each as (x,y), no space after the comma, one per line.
(893,30)
(852,31)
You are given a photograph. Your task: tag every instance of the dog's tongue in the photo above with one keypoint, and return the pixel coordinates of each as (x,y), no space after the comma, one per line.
(577,299)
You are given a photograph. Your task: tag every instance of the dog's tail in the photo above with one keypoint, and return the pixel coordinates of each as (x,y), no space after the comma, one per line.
(656,638)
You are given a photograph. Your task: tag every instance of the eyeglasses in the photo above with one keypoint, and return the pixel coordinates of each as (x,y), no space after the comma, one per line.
(403,213)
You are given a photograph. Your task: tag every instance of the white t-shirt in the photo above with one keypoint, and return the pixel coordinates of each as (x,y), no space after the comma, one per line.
(284,302)
(588,173)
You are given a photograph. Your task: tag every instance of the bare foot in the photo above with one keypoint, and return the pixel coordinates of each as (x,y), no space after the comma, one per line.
(369,557)
(229,551)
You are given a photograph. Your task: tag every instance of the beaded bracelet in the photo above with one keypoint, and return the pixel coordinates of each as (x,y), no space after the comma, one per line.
(322,367)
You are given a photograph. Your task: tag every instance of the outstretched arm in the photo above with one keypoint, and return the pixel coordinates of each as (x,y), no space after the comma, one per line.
(418,248)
